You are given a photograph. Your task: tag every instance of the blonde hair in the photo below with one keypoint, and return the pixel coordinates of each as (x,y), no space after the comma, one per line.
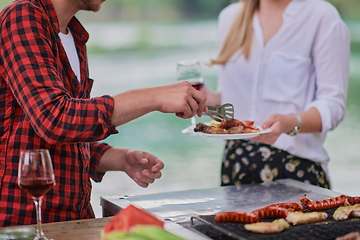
(239,35)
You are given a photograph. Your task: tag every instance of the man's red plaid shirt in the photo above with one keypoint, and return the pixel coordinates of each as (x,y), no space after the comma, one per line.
(43,105)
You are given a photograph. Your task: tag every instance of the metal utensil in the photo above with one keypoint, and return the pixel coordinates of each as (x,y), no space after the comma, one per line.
(218,113)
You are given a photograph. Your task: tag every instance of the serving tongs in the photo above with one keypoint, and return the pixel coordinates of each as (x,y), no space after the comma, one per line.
(220,112)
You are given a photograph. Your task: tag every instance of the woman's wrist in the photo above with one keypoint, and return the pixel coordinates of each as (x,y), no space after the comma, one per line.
(296,122)
(213,98)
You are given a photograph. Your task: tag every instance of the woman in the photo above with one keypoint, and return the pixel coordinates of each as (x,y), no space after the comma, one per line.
(285,65)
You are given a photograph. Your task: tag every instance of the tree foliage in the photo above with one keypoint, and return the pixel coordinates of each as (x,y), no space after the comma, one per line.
(184,9)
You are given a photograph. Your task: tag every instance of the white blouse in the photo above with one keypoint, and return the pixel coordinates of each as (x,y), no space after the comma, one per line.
(305,65)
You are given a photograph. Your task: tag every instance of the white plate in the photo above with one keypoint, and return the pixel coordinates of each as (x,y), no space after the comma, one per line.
(190,131)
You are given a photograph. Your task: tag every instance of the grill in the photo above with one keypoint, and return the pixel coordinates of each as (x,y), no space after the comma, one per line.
(328,229)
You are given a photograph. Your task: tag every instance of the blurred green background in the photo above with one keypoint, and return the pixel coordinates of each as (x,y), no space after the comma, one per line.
(136,44)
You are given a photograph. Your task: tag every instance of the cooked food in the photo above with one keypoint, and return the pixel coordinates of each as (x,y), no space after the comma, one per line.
(268,212)
(214,123)
(201,127)
(276,226)
(323,204)
(236,130)
(351,201)
(304,199)
(355,213)
(241,217)
(233,123)
(273,210)
(297,218)
(227,127)
(343,213)
(290,206)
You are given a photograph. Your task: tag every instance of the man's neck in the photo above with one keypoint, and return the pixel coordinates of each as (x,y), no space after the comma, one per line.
(65,10)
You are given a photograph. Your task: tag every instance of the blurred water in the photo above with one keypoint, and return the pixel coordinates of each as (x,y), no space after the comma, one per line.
(191,162)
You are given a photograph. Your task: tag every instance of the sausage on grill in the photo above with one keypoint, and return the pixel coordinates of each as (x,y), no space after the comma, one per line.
(323,204)
(290,206)
(352,201)
(242,217)
(268,212)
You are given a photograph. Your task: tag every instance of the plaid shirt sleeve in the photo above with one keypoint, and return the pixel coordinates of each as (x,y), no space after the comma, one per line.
(97,150)
(33,73)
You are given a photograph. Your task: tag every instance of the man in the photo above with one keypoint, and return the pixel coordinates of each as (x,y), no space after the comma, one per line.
(45,103)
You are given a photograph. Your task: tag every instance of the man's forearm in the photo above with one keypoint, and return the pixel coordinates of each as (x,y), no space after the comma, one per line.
(112,160)
(131,105)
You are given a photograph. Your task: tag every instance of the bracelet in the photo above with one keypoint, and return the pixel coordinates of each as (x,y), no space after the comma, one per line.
(296,129)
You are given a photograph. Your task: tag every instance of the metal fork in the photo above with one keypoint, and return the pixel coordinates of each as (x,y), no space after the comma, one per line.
(218,113)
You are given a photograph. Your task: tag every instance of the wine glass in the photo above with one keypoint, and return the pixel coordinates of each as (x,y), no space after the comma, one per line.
(190,70)
(36,177)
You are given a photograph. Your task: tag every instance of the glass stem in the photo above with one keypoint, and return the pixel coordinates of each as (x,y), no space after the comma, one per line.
(39,231)
(193,120)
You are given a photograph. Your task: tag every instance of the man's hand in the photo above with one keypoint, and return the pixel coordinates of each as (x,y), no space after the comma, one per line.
(181,98)
(142,167)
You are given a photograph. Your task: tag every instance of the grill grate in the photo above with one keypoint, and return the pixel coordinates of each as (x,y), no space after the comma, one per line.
(328,229)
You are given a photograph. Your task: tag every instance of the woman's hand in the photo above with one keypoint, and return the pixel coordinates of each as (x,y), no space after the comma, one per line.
(278,123)
(284,123)
(142,167)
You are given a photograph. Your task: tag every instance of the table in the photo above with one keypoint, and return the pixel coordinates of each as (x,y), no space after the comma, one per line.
(178,207)
(88,229)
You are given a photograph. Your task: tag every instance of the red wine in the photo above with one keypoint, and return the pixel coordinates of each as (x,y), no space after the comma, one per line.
(198,86)
(36,187)
(197,83)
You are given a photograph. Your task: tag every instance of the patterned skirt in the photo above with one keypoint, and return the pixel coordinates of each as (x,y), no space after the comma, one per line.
(246,161)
